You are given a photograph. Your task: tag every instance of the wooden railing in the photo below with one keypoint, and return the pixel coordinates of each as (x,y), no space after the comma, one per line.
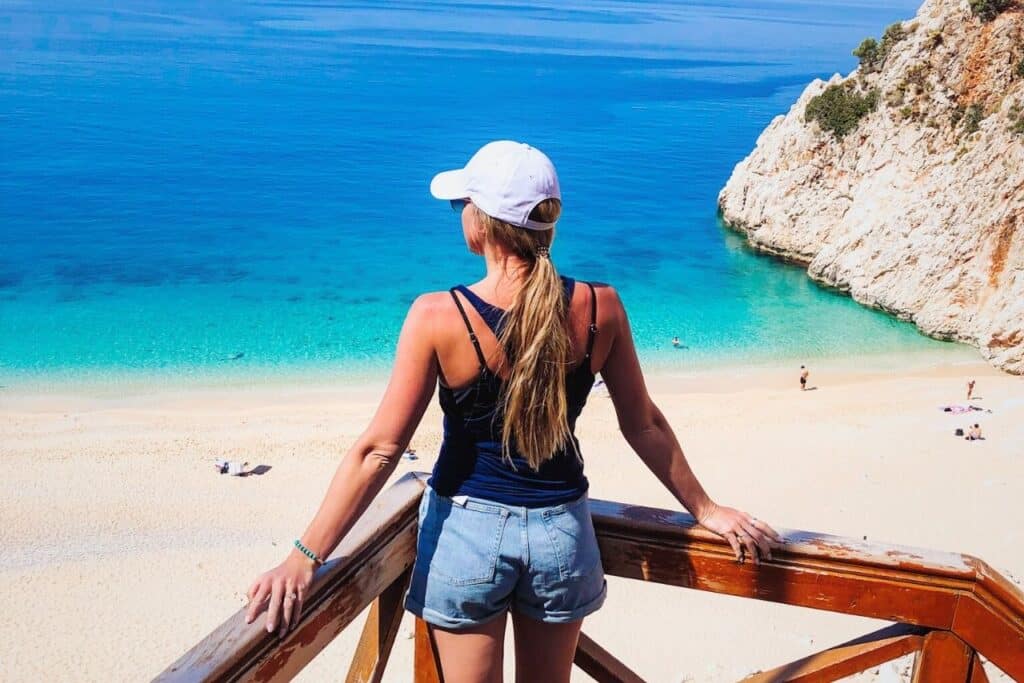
(949,608)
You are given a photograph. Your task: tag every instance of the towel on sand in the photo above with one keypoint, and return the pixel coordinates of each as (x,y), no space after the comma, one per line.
(233,468)
(960,409)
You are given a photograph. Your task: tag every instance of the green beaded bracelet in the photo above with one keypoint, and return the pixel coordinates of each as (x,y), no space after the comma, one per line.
(308,553)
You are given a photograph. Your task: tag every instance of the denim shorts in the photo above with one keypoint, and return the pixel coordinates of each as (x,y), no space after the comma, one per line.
(476,559)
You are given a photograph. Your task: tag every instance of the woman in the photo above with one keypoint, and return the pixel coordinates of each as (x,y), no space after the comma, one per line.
(504,522)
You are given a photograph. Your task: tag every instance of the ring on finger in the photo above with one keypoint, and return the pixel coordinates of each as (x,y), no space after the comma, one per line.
(290,596)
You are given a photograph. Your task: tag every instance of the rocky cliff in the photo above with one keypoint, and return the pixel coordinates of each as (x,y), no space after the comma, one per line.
(903,183)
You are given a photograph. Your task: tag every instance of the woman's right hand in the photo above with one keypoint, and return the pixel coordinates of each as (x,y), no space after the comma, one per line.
(281,592)
(747,535)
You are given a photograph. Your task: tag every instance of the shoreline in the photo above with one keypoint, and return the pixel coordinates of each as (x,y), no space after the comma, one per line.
(101,383)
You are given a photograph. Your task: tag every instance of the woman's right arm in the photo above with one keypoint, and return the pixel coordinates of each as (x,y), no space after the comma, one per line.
(651,437)
(363,471)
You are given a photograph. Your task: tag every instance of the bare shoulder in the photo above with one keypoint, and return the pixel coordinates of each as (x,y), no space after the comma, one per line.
(432,302)
(609,305)
(429,309)
(606,293)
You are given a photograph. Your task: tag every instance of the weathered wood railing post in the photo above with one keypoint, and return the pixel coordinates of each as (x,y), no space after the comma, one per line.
(379,633)
(943,657)
(427,664)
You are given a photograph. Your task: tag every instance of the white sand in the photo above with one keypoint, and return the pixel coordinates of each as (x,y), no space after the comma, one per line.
(122,547)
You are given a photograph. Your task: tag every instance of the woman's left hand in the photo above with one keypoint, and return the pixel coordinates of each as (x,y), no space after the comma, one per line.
(281,592)
(746,534)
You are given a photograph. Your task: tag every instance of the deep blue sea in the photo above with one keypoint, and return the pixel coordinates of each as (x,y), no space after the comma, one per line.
(201,187)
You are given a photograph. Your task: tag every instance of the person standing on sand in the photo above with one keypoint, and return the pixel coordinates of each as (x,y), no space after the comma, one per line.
(505,525)
(970,389)
(804,373)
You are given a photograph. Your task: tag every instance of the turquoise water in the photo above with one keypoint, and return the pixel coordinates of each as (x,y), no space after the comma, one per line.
(190,187)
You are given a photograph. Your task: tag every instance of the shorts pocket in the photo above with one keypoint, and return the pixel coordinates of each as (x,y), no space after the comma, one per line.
(457,543)
(571,531)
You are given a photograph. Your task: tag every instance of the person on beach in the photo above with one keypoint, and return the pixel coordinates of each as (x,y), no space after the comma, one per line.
(970,389)
(504,523)
(675,342)
(804,373)
(973,433)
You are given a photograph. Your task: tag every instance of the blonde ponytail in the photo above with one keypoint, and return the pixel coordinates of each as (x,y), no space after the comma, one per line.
(535,338)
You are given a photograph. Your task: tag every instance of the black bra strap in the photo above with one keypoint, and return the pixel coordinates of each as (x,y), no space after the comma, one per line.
(469,326)
(592,330)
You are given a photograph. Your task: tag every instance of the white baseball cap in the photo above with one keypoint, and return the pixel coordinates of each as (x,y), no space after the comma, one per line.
(505,180)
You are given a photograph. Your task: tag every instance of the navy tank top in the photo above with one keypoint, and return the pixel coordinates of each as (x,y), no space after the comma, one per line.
(470,462)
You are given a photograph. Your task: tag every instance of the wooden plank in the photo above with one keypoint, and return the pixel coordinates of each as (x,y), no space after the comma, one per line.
(600,664)
(991,632)
(847,659)
(644,522)
(894,583)
(832,586)
(378,549)
(978,674)
(944,658)
(379,632)
(427,664)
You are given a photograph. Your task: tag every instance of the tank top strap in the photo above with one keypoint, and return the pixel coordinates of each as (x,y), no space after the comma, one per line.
(493,316)
(592,329)
(469,327)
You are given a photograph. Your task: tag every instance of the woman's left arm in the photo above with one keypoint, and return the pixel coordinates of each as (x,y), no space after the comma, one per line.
(361,474)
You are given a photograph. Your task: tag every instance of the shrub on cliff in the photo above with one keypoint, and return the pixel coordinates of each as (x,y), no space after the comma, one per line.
(840,108)
(987,10)
(868,54)
(972,118)
(1016,116)
(916,78)
(894,33)
(1020,68)
(957,115)
(871,54)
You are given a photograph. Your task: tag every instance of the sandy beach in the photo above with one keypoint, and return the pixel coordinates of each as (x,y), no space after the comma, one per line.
(122,546)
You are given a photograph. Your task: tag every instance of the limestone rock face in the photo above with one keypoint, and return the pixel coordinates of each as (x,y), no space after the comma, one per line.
(919,210)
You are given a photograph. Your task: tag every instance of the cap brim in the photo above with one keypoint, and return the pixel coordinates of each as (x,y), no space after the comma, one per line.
(449,185)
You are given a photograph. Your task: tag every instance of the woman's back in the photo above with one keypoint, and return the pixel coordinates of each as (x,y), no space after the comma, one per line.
(473,461)
(458,361)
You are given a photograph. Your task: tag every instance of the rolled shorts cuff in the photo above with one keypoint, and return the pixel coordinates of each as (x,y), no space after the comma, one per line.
(564,616)
(435,618)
